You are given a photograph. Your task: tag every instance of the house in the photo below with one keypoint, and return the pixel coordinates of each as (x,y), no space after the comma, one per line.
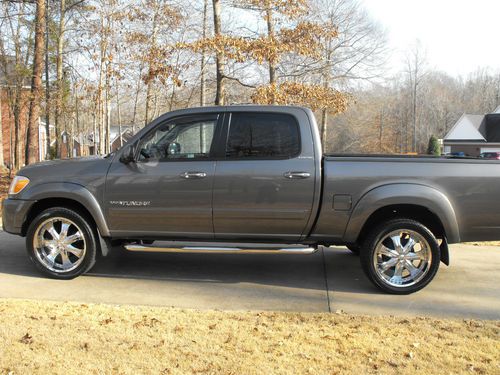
(9,131)
(70,147)
(118,139)
(474,134)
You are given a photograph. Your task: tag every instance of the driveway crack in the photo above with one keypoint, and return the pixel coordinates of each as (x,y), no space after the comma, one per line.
(326,279)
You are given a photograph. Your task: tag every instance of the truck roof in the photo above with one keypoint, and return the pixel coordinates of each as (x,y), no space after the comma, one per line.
(235,107)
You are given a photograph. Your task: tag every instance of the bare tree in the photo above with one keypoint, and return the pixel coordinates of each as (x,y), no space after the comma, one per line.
(36,85)
(1,129)
(47,81)
(219,57)
(203,56)
(59,73)
(415,70)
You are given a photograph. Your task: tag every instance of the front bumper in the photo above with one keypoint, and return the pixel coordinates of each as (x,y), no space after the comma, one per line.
(14,213)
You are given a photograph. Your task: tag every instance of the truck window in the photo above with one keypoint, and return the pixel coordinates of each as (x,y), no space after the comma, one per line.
(173,141)
(262,136)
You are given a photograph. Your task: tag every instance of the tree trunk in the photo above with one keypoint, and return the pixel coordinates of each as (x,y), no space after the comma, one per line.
(77,122)
(17,128)
(326,77)
(148,100)
(149,82)
(32,144)
(1,130)
(381,129)
(94,123)
(119,114)
(100,96)
(271,35)
(324,126)
(47,82)
(59,76)
(219,57)
(108,119)
(137,91)
(415,114)
(203,56)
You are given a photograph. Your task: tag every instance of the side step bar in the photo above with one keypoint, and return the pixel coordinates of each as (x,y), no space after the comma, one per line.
(219,250)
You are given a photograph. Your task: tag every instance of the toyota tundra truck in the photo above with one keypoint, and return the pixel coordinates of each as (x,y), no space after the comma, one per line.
(229,179)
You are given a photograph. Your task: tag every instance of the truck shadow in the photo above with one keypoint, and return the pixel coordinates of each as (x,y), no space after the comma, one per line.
(336,267)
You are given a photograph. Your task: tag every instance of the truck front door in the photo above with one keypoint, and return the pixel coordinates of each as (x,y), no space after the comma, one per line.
(168,190)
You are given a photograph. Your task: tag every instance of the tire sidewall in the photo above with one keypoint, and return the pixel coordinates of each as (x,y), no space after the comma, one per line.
(382,230)
(87,231)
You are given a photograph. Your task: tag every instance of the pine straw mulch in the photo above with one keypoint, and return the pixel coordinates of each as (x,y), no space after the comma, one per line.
(66,338)
(4,184)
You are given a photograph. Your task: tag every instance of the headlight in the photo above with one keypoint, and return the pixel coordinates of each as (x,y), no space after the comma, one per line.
(18,184)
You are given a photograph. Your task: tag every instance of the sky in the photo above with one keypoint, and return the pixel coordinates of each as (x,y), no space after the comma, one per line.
(459,36)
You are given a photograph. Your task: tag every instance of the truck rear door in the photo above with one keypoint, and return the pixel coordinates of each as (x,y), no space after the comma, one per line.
(265,180)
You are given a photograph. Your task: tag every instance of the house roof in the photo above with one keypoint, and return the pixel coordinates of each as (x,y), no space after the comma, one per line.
(493,127)
(468,128)
(8,72)
(114,133)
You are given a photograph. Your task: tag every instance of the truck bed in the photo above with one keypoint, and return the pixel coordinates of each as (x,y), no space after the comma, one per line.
(469,186)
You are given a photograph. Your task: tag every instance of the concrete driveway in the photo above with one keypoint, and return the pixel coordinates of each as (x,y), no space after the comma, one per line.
(329,280)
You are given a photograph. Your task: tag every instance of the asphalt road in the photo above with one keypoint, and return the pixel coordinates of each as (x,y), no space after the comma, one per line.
(329,280)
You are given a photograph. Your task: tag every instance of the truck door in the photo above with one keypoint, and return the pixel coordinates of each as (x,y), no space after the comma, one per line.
(264,185)
(168,190)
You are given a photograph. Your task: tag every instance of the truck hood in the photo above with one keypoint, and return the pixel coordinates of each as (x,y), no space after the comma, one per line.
(78,170)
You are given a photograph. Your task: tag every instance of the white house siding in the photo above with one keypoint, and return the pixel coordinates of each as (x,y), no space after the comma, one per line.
(490,149)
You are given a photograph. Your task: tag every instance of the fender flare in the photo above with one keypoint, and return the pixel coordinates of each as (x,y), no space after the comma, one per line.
(75,192)
(403,193)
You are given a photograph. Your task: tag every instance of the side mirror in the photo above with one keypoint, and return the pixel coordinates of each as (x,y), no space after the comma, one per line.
(128,154)
(173,148)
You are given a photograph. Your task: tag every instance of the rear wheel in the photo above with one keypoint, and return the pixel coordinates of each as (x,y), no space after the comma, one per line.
(61,243)
(400,256)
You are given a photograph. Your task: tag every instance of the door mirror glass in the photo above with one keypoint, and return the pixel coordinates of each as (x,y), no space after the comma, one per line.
(174,148)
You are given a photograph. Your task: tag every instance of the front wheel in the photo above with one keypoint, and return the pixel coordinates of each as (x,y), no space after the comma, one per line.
(61,243)
(400,256)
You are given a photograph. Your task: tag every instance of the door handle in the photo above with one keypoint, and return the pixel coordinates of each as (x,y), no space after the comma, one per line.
(297,175)
(193,175)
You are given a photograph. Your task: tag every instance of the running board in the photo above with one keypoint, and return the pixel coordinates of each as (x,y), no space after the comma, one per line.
(219,250)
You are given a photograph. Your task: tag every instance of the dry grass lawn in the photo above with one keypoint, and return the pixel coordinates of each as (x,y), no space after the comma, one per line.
(68,338)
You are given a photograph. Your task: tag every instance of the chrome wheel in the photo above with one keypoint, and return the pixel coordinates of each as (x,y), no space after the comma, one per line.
(59,244)
(402,258)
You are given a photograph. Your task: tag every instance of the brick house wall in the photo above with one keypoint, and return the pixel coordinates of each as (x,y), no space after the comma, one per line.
(8,125)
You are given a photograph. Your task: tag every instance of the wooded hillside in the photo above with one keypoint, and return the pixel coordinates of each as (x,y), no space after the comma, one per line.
(86,66)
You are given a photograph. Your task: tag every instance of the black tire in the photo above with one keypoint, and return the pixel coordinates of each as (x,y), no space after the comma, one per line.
(380,233)
(81,224)
(354,248)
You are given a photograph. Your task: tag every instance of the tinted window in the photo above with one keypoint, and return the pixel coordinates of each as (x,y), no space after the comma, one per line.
(175,141)
(263,135)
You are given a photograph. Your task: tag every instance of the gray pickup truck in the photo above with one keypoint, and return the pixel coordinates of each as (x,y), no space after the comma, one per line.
(247,176)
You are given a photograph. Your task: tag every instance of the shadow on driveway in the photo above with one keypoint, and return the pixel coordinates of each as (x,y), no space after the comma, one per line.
(286,270)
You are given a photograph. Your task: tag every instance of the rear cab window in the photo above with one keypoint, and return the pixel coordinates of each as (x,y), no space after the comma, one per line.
(262,136)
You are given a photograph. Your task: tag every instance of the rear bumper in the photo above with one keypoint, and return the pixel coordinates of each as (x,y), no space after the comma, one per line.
(14,214)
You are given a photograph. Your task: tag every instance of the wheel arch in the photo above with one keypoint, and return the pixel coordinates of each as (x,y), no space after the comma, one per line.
(428,206)
(71,196)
